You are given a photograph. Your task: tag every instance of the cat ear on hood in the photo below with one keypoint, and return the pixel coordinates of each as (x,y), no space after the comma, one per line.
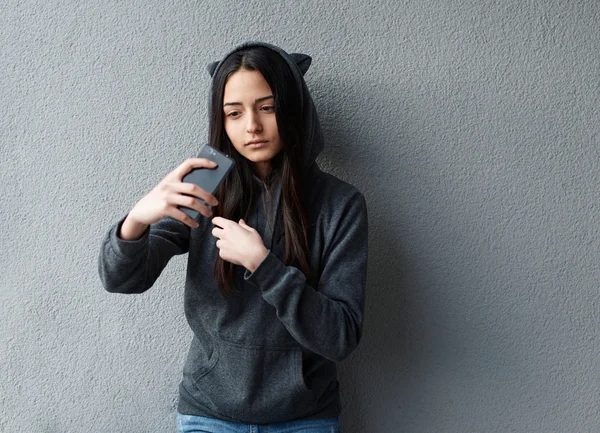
(211,68)
(302,60)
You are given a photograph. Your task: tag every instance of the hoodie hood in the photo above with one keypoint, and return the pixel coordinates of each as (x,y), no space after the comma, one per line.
(299,64)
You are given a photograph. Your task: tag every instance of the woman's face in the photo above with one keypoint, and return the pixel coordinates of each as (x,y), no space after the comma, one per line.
(250,122)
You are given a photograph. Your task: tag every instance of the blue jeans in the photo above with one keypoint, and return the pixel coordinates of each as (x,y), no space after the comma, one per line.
(200,424)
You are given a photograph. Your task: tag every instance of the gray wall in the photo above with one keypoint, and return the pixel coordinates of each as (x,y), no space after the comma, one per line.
(471,126)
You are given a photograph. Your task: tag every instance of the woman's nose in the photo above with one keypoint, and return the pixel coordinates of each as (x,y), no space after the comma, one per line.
(254,123)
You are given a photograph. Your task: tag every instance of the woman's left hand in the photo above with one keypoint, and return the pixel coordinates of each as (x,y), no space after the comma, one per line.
(239,243)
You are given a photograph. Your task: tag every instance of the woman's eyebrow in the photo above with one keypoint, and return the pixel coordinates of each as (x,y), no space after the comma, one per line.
(264,98)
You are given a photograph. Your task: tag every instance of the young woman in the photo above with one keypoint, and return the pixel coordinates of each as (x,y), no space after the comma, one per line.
(277,263)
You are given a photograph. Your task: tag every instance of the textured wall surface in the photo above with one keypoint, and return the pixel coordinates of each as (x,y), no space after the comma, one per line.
(471,126)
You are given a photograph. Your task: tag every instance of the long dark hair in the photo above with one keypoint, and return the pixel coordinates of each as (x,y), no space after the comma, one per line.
(238,192)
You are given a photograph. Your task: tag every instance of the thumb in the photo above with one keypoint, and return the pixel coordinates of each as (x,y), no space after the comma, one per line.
(243,224)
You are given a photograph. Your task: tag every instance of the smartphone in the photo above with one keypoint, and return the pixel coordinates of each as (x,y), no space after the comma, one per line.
(208,179)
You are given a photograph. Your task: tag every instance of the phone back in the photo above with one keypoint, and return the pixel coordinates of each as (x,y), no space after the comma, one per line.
(208,179)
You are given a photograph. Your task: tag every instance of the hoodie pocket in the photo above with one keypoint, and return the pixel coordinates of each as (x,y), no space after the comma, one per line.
(200,360)
(254,384)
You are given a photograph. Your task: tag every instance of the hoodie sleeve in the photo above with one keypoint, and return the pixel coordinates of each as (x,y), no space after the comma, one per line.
(327,321)
(133,266)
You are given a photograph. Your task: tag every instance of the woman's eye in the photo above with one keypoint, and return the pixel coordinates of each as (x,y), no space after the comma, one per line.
(268,108)
(233,113)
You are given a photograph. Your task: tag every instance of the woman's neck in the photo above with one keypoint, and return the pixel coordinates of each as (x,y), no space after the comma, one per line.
(262,170)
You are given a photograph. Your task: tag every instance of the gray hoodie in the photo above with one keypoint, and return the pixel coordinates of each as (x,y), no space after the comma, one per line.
(268,354)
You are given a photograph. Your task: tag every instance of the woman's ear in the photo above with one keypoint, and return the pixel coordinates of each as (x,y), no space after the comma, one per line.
(302,60)
(211,68)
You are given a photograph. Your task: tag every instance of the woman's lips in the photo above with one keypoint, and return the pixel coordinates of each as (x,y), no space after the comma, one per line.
(256,144)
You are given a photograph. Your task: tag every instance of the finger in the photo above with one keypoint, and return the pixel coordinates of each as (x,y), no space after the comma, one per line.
(222,222)
(183,217)
(190,202)
(218,233)
(192,189)
(191,163)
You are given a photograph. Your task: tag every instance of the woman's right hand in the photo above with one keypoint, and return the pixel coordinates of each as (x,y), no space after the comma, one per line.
(163,200)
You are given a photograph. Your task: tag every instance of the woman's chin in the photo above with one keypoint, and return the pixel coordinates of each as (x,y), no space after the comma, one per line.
(260,156)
